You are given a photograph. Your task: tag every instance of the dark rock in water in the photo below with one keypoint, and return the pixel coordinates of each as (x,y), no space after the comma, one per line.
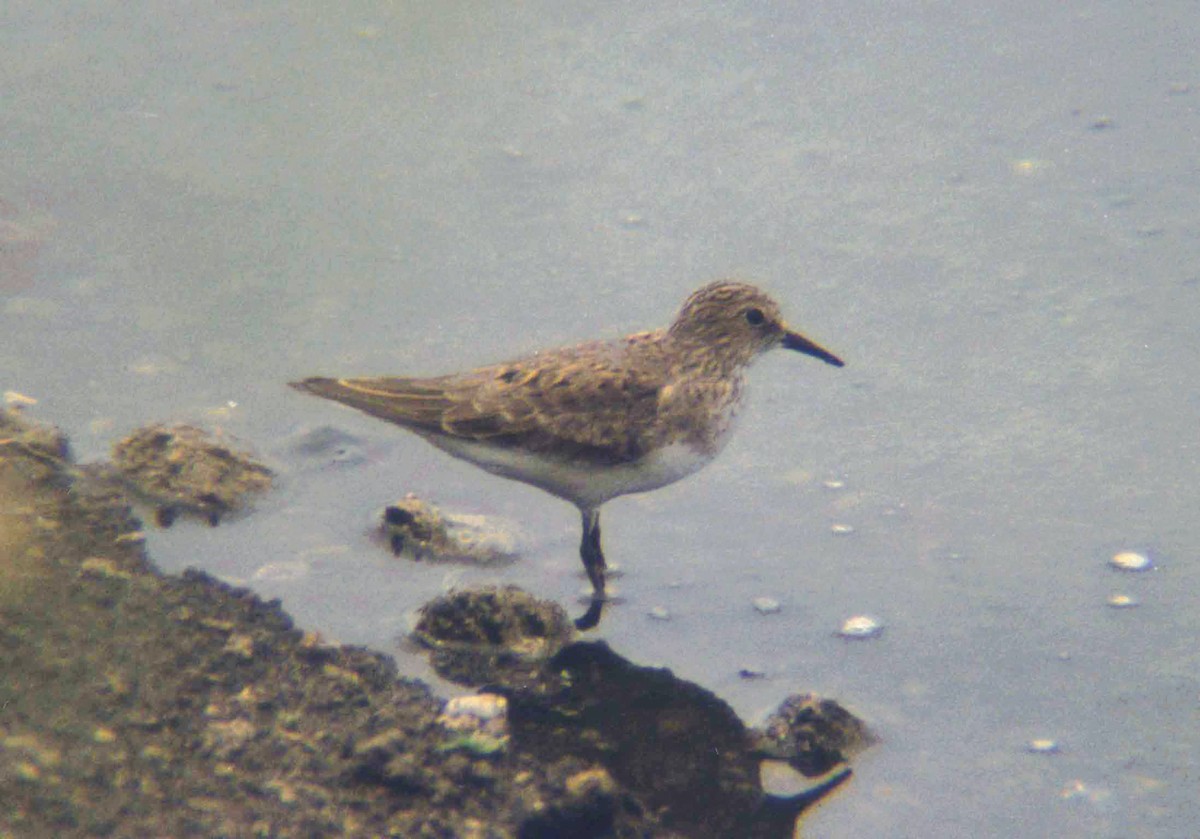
(813,734)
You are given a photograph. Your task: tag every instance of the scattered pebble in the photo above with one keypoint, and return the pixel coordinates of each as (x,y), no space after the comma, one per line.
(479,724)
(841,529)
(834,483)
(473,712)
(659,613)
(766,605)
(750,673)
(860,626)
(1079,790)
(1030,166)
(1131,561)
(1042,746)
(1122,601)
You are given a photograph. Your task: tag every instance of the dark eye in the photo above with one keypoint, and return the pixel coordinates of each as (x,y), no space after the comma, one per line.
(755,317)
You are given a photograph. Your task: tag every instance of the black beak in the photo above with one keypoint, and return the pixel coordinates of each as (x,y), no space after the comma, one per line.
(796,341)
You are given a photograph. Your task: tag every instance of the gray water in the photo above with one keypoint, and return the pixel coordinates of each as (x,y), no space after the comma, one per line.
(991,213)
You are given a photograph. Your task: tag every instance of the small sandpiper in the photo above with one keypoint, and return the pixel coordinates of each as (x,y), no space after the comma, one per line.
(594,421)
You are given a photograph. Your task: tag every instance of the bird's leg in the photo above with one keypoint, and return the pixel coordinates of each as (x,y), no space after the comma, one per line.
(590,552)
(593,563)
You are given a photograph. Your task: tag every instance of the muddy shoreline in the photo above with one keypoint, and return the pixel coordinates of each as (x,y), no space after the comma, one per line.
(140,704)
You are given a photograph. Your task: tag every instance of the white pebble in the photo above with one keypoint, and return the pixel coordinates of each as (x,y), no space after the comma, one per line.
(1121,601)
(1043,746)
(860,626)
(841,529)
(766,605)
(471,712)
(1131,561)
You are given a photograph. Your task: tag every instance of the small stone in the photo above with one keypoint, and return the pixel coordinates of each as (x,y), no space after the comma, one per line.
(1042,746)
(659,613)
(841,529)
(1121,601)
(834,483)
(766,605)
(1079,790)
(1131,561)
(414,528)
(468,713)
(860,627)
(1030,166)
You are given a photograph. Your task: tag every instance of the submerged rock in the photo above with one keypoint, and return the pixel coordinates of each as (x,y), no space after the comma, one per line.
(476,634)
(181,469)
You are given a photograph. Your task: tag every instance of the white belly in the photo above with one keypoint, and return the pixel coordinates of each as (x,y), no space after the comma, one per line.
(585,485)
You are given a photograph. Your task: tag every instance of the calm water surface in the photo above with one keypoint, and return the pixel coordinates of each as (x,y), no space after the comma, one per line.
(990,214)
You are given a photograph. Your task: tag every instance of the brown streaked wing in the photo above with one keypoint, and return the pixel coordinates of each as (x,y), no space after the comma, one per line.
(593,396)
(415,403)
(595,401)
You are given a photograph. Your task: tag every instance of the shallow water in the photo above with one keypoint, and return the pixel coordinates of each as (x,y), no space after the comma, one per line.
(990,214)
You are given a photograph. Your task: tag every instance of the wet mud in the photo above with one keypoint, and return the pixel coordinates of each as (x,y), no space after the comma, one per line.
(139,704)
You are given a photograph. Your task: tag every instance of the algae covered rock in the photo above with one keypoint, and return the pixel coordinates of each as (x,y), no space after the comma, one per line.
(181,469)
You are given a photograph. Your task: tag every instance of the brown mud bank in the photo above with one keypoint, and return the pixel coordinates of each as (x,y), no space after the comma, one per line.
(138,704)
